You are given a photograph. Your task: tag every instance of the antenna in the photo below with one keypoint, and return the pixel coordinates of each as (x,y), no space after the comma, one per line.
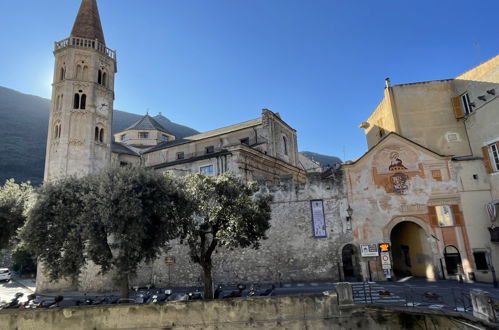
(344,154)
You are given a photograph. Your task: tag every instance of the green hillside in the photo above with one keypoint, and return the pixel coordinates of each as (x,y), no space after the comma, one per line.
(24,125)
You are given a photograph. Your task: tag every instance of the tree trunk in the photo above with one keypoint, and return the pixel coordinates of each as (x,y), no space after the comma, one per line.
(124,286)
(208,280)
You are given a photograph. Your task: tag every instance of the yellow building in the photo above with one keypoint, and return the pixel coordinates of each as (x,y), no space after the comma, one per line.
(446,135)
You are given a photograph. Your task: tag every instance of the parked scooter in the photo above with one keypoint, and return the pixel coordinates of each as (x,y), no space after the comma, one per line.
(14,302)
(195,295)
(238,293)
(26,304)
(269,291)
(218,292)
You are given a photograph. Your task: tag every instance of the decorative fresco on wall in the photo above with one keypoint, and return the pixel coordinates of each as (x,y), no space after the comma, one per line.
(394,166)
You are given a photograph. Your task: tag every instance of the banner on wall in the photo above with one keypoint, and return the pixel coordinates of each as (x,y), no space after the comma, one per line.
(318,218)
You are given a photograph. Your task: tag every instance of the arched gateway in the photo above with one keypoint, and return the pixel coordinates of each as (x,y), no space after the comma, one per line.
(411,250)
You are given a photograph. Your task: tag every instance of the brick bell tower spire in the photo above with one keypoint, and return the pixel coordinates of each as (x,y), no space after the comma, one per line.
(87,24)
(79,139)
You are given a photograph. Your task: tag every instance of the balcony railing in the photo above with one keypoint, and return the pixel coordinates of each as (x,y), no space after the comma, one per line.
(86,43)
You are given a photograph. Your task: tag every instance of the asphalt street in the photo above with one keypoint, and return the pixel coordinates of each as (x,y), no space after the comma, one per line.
(418,293)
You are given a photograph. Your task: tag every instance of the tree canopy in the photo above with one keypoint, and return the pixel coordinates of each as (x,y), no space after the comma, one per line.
(14,199)
(227,212)
(117,218)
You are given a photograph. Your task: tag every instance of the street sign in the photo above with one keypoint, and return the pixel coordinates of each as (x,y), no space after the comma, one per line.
(386,263)
(384,247)
(369,250)
(388,273)
(169,260)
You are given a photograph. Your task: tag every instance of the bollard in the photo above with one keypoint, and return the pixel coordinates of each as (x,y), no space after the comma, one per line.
(483,305)
(345,293)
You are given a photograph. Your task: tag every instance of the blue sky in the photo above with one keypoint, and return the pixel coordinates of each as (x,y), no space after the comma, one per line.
(320,63)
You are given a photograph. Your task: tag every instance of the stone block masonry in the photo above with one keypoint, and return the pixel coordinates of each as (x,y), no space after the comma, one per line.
(290,254)
(316,312)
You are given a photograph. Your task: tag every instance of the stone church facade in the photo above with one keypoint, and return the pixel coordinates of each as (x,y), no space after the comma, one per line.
(422,187)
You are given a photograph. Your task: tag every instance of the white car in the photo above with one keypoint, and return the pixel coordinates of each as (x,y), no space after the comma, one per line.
(5,274)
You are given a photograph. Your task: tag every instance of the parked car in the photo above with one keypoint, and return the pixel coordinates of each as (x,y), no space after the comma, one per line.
(5,274)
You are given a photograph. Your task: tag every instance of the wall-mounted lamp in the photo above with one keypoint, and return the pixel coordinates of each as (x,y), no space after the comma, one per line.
(349,217)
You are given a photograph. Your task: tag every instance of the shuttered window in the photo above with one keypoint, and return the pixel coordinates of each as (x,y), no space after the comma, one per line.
(494,152)
(458,109)
(465,99)
(491,157)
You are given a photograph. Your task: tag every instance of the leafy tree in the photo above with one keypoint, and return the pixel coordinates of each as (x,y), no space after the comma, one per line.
(117,218)
(54,232)
(131,214)
(14,199)
(227,212)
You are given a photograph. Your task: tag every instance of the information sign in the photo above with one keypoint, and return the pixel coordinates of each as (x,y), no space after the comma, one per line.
(318,219)
(369,250)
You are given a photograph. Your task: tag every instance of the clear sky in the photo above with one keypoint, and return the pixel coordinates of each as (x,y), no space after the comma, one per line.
(211,63)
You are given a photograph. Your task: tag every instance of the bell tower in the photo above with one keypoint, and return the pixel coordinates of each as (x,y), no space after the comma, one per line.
(79,134)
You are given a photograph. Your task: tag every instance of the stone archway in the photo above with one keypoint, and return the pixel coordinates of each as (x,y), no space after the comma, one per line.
(411,251)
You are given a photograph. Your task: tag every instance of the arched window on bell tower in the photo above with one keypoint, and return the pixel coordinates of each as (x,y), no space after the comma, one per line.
(104,79)
(62,74)
(83,101)
(96,134)
(78,72)
(85,73)
(80,100)
(76,103)
(101,135)
(99,77)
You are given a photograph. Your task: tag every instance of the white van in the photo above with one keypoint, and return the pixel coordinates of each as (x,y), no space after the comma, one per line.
(5,274)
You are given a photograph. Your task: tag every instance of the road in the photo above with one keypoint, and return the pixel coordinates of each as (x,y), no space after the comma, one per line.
(9,289)
(448,295)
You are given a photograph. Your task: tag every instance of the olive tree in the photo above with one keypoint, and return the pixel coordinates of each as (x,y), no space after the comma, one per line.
(117,218)
(54,230)
(14,199)
(227,212)
(131,214)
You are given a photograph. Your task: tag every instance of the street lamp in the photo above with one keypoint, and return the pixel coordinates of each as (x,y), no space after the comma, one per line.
(349,217)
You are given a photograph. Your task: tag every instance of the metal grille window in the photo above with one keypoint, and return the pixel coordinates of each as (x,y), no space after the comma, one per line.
(494,152)
(465,98)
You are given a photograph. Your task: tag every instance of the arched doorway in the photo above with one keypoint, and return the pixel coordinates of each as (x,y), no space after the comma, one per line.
(349,258)
(452,258)
(411,252)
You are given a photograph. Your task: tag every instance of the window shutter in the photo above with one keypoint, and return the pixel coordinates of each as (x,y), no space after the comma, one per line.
(458,109)
(486,159)
(432,212)
(456,214)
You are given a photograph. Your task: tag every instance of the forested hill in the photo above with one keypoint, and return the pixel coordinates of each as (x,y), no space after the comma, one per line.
(24,124)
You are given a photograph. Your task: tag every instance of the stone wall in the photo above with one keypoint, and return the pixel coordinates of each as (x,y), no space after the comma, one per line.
(290,254)
(266,313)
